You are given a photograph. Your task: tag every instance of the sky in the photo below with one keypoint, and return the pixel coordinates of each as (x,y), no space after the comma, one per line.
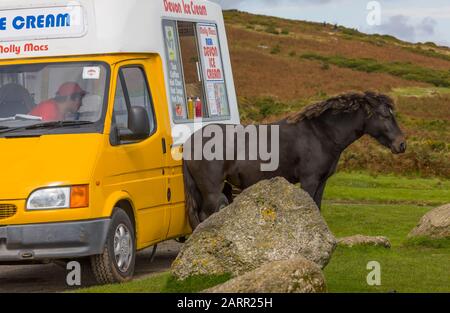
(409,20)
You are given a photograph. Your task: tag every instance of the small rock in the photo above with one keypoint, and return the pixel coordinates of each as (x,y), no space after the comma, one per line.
(360,240)
(270,221)
(435,224)
(290,276)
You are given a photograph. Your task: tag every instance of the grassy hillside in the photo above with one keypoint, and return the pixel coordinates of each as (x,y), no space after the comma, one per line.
(272,57)
(282,65)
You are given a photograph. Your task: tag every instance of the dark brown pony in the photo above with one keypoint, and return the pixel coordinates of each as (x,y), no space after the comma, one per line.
(310,145)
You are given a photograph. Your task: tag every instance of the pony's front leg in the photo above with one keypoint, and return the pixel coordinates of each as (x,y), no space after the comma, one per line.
(311,186)
(319,194)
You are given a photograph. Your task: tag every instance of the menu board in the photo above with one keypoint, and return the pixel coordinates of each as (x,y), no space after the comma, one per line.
(213,69)
(176,85)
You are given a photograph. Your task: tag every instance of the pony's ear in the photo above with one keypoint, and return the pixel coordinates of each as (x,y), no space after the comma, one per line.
(372,99)
(386,100)
(377,99)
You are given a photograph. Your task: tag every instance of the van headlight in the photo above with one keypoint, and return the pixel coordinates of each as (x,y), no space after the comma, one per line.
(59,198)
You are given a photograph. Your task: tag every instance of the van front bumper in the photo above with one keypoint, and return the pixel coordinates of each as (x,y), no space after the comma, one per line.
(38,242)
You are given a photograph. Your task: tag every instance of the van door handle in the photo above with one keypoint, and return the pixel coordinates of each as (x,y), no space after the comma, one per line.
(169,195)
(164,146)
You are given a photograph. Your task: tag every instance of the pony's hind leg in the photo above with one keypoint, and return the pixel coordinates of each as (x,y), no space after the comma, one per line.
(194,218)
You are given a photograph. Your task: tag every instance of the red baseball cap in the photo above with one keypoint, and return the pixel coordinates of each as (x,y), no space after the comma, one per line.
(68,89)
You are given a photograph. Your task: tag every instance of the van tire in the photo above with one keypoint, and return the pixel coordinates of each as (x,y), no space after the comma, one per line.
(105,266)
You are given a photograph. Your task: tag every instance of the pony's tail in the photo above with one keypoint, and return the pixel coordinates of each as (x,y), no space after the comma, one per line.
(192,196)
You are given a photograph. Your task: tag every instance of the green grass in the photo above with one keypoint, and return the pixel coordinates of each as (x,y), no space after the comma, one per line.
(427,242)
(162,283)
(387,189)
(384,205)
(419,91)
(408,71)
(402,270)
(411,265)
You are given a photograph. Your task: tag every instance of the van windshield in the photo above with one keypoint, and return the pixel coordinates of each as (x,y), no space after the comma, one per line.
(57,95)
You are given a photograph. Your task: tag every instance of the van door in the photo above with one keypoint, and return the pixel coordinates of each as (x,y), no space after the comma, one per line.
(138,166)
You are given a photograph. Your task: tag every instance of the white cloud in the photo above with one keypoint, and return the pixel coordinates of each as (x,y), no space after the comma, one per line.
(403,27)
(408,20)
(417,12)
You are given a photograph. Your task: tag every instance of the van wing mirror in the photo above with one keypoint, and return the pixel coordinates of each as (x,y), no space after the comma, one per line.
(138,124)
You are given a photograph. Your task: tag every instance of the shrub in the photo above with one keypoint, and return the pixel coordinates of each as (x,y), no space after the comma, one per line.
(272,30)
(407,71)
(276,50)
(351,32)
(258,109)
(325,66)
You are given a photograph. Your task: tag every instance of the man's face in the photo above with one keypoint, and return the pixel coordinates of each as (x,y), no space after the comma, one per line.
(74,103)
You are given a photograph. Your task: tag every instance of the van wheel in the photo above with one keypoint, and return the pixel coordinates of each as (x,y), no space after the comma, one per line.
(116,263)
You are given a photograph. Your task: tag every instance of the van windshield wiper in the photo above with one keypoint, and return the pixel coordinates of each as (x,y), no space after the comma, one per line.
(59,124)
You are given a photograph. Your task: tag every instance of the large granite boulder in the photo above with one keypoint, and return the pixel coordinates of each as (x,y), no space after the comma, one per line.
(270,221)
(296,275)
(435,224)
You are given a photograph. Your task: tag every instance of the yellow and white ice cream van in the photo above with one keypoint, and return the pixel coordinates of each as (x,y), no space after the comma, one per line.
(90,93)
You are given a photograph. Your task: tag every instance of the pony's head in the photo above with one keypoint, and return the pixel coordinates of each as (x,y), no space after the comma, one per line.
(381,122)
(376,112)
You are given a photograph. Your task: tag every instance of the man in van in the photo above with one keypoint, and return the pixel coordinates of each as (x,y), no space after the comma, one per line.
(68,100)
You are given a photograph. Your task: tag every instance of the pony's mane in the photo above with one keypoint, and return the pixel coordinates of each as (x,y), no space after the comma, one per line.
(345,103)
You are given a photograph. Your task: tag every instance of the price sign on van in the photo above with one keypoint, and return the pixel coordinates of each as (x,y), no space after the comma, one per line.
(210,52)
(42,23)
(213,69)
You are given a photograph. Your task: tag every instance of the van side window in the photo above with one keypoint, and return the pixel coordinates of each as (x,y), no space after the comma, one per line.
(132,91)
(120,108)
(192,70)
(196,75)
